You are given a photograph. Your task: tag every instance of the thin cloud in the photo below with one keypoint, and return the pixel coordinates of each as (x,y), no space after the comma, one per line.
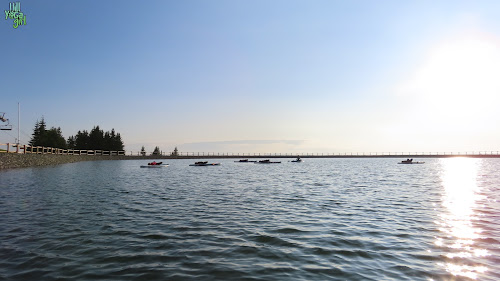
(254,142)
(239,145)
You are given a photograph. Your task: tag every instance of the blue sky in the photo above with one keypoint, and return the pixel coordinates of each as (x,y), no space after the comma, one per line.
(258,76)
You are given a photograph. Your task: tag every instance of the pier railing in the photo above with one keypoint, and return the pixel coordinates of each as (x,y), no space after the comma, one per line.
(316,155)
(28,149)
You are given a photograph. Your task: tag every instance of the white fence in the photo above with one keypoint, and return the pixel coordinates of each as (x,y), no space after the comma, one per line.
(27,149)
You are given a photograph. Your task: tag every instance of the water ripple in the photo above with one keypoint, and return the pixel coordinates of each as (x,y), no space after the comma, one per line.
(325,219)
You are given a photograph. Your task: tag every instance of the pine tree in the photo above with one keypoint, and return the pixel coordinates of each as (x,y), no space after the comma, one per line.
(97,139)
(47,138)
(54,138)
(107,142)
(82,140)
(71,142)
(156,151)
(116,140)
(38,133)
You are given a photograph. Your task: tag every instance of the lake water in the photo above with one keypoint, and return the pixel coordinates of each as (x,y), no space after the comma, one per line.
(323,219)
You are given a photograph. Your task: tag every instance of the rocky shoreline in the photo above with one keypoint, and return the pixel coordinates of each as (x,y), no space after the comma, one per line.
(14,160)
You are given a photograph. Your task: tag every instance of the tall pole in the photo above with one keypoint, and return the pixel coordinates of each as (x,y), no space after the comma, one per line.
(18,124)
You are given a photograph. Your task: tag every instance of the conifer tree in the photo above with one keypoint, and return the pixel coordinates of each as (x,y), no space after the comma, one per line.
(38,132)
(71,142)
(156,151)
(47,138)
(97,139)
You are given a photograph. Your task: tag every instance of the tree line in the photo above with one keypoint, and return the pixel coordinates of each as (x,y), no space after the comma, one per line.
(96,139)
(157,151)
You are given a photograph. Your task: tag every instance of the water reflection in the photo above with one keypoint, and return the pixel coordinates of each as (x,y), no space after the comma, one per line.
(460,196)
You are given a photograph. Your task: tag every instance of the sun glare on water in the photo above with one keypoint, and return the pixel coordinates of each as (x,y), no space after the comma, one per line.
(460,197)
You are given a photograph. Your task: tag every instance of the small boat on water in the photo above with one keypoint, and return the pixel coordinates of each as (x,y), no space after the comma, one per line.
(155,165)
(297,160)
(410,161)
(245,161)
(267,161)
(204,163)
